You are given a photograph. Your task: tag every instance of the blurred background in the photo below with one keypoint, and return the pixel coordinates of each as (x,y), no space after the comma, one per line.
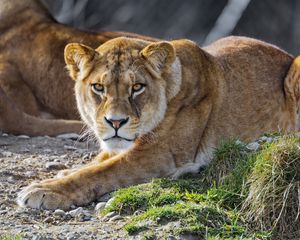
(203,21)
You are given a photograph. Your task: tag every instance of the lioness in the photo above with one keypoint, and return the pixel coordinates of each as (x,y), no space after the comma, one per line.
(33,83)
(159,109)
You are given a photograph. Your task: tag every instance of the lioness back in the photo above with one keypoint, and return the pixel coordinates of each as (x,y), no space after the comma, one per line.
(254,73)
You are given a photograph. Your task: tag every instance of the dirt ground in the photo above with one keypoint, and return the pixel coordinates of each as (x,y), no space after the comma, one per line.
(23,160)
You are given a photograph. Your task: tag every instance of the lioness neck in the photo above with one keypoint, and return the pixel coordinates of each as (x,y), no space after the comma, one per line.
(17,12)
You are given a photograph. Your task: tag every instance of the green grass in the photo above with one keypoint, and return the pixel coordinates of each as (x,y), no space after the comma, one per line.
(275,188)
(10,238)
(224,201)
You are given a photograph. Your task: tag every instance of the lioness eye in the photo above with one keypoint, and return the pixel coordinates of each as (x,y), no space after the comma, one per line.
(97,88)
(137,87)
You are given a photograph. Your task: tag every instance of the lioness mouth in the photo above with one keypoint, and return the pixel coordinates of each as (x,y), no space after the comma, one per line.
(118,137)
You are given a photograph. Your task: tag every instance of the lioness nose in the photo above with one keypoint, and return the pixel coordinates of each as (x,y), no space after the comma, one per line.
(116,123)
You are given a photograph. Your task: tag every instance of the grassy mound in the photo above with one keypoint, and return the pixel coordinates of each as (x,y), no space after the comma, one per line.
(273,200)
(243,194)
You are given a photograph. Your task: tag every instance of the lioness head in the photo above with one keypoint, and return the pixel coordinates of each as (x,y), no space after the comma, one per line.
(123,87)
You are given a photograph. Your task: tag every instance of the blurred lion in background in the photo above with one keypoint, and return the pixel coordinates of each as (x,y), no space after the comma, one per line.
(35,96)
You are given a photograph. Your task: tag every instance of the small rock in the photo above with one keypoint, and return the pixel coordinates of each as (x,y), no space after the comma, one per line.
(72,136)
(146,223)
(75,212)
(60,213)
(55,166)
(48,220)
(115,218)
(29,161)
(4,135)
(70,148)
(109,202)
(2,212)
(47,212)
(84,216)
(137,212)
(104,198)
(263,138)
(110,215)
(47,150)
(37,237)
(269,139)
(254,146)
(7,154)
(23,137)
(266,139)
(171,237)
(11,179)
(30,174)
(72,236)
(100,206)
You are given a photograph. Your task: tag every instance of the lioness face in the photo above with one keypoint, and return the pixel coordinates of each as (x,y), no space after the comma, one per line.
(120,102)
(119,94)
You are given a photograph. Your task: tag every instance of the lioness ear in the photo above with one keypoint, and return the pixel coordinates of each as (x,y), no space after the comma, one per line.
(79,59)
(159,55)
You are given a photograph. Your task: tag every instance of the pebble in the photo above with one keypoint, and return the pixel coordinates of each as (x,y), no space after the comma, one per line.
(100,206)
(3,212)
(72,136)
(23,137)
(55,166)
(146,223)
(266,139)
(4,135)
(38,237)
(269,139)
(70,148)
(48,220)
(59,212)
(7,154)
(115,218)
(254,146)
(29,160)
(30,174)
(110,215)
(109,202)
(47,150)
(72,236)
(104,198)
(83,216)
(75,212)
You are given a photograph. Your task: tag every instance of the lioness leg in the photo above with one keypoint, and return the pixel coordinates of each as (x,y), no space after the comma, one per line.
(15,121)
(89,183)
(103,156)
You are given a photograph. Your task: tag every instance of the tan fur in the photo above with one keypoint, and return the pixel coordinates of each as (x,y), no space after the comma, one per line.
(193,99)
(33,80)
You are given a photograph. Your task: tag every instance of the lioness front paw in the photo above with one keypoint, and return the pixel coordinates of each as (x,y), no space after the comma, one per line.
(44,195)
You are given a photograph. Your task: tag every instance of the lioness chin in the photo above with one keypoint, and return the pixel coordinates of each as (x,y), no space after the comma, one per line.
(159,109)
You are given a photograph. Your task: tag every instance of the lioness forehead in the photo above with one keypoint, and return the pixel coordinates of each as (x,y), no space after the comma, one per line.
(120,58)
(121,52)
